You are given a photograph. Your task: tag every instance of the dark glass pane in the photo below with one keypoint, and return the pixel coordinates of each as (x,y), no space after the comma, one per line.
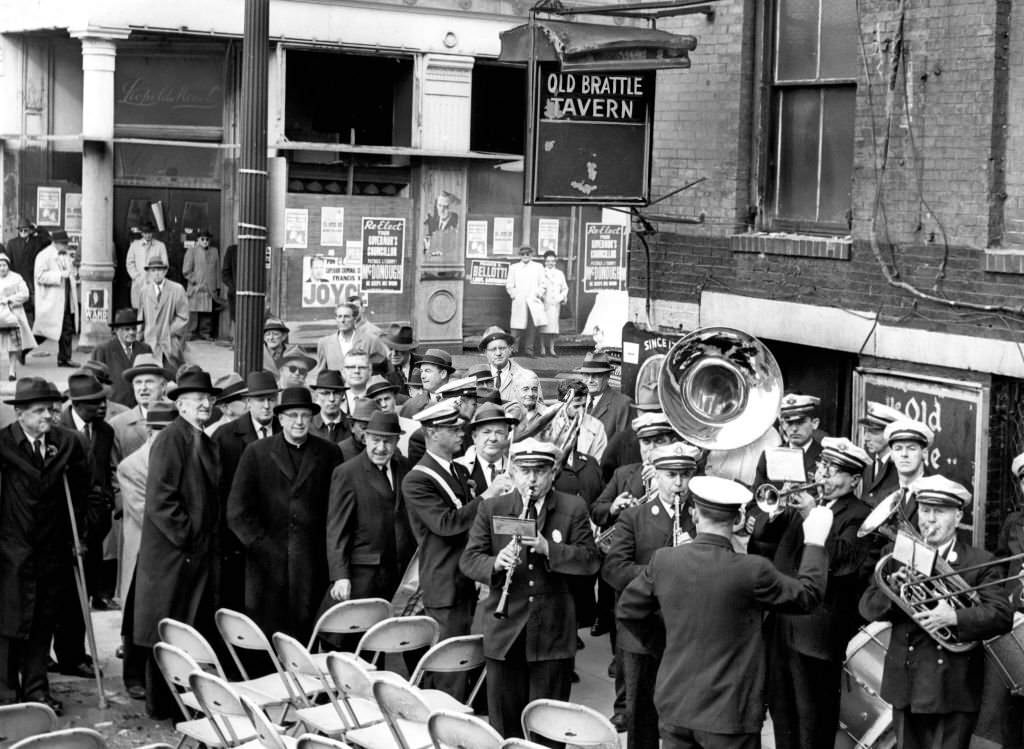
(840,47)
(799,125)
(797,53)
(837,153)
(132,160)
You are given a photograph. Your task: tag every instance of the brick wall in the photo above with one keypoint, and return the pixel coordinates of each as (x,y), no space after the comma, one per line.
(1014,236)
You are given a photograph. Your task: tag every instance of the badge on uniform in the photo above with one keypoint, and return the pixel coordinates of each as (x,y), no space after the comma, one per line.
(655,510)
(556,536)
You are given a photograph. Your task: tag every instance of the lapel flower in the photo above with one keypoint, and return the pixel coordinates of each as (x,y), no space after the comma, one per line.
(51,451)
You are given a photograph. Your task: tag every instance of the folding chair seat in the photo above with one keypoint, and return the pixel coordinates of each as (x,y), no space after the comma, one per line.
(25,719)
(225,723)
(312,741)
(354,691)
(520,744)
(454,655)
(69,738)
(405,720)
(569,723)
(267,734)
(346,618)
(298,662)
(459,731)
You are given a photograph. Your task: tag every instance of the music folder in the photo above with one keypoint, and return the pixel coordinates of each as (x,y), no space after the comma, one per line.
(504,525)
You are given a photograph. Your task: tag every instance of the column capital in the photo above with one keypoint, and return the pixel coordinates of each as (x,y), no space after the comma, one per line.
(94,32)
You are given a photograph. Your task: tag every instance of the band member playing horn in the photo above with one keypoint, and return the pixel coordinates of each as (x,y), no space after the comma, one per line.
(642,530)
(806,652)
(880,478)
(530,649)
(710,687)
(935,692)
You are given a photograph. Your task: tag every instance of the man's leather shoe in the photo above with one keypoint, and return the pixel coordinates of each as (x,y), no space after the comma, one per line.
(52,666)
(54,704)
(611,669)
(68,363)
(599,628)
(82,670)
(102,603)
(137,692)
(619,721)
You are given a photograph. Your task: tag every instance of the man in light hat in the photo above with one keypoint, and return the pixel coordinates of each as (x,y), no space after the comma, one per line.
(525,285)
(530,651)
(710,685)
(275,343)
(880,476)
(909,441)
(936,693)
(163,308)
(148,380)
(56,282)
(329,392)
(139,253)
(333,347)
(640,531)
(119,354)
(295,367)
(807,652)
(201,269)
(278,510)
(610,407)
(497,346)
(435,368)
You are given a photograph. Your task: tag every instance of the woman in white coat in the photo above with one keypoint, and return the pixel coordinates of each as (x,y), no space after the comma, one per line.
(15,335)
(554,292)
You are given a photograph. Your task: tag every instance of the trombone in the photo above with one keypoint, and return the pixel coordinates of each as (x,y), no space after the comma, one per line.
(769,497)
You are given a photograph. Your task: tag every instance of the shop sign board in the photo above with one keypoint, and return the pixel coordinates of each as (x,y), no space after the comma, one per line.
(383,254)
(604,257)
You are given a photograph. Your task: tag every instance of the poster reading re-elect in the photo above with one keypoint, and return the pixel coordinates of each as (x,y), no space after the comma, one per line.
(604,257)
(383,254)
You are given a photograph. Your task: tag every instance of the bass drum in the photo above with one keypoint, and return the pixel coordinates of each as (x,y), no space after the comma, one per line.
(865,719)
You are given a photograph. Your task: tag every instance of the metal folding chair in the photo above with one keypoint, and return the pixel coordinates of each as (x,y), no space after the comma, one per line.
(225,723)
(405,720)
(69,738)
(267,734)
(456,654)
(25,719)
(346,618)
(398,634)
(459,731)
(298,662)
(520,744)
(312,741)
(569,723)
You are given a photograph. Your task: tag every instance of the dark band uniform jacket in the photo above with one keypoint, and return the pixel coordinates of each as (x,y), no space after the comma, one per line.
(441,529)
(35,530)
(541,597)
(919,675)
(765,535)
(177,566)
(369,541)
(279,512)
(628,478)
(712,672)
(877,488)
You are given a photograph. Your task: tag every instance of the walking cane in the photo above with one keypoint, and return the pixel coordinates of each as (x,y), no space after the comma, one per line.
(83,597)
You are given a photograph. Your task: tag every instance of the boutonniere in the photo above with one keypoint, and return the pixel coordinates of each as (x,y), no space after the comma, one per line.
(952,557)
(51,451)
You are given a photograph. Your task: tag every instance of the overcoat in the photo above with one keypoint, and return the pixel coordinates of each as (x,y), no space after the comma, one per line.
(613,411)
(139,253)
(279,514)
(166,321)
(50,293)
(131,476)
(177,566)
(328,350)
(113,355)
(627,478)
(524,286)
(201,269)
(129,431)
(14,291)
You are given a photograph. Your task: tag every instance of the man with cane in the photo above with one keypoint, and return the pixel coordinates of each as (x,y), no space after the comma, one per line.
(45,472)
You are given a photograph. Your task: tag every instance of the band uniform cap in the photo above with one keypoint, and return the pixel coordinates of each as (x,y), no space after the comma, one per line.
(462,387)
(939,491)
(399,338)
(260,382)
(908,430)
(275,323)
(363,409)
(675,456)
(330,379)
(489,413)
(595,363)
(297,354)
(232,387)
(482,373)
(795,406)
(845,454)
(494,333)
(650,424)
(533,452)
(296,397)
(193,382)
(146,364)
(1017,466)
(879,416)
(442,414)
(439,358)
(160,414)
(32,390)
(125,318)
(155,262)
(83,386)
(717,493)
(384,425)
(378,385)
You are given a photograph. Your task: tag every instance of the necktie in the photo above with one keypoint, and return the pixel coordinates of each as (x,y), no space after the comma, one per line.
(40,451)
(497,379)
(531,511)
(263,432)
(159,288)
(88,432)
(128,352)
(590,406)
(330,429)
(494,471)
(384,473)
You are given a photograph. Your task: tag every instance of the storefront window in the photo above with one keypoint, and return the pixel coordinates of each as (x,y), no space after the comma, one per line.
(133,161)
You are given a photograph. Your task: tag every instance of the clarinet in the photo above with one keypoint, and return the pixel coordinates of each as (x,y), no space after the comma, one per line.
(501,611)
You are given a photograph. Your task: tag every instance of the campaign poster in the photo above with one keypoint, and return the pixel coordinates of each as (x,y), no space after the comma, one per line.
(604,257)
(354,252)
(47,206)
(488,272)
(504,229)
(96,306)
(332,226)
(296,228)
(383,254)
(327,280)
(73,213)
(547,236)
(476,239)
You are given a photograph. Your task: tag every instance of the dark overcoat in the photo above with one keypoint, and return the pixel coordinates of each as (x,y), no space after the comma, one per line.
(614,412)
(177,570)
(112,354)
(627,478)
(877,488)
(279,514)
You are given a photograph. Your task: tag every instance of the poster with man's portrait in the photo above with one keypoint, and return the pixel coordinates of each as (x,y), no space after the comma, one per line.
(328,281)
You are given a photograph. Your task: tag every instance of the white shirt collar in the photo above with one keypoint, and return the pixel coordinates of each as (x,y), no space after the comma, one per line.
(257,426)
(443,462)
(79,421)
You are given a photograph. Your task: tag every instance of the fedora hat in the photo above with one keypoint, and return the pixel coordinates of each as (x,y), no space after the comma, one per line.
(595,363)
(126,318)
(482,373)
(59,235)
(386,425)
(296,397)
(495,333)
(97,369)
(330,379)
(205,233)
(25,223)
(297,354)
(147,226)
(490,413)
(83,386)
(33,390)
(193,382)
(378,385)
(232,388)
(160,414)
(147,364)
(363,409)
(155,262)
(399,338)
(260,382)
(439,358)
(275,323)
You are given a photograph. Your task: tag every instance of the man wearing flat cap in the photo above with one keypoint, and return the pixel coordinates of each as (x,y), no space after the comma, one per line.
(119,354)
(278,510)
(163,308)
(807,652)
(710,685)
(530,650)
(880,476)
(935,692)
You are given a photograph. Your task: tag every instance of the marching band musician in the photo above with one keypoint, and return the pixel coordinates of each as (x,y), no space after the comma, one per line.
(642,530)
(806,652)
(908,441)
(1011,535)
(935,693)
(530,651)
(880,477)
(710,687)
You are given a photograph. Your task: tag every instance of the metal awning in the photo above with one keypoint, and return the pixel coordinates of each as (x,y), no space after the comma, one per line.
(593,46)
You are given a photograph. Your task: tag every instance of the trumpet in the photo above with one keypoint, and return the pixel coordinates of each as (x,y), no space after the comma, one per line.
(501,610)
(769,497)
(603,540)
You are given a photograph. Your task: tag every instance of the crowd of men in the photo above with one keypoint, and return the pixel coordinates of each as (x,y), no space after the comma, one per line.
(326,477)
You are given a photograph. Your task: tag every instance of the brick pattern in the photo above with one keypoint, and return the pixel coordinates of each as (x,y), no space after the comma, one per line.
(824,248)
(1004,261)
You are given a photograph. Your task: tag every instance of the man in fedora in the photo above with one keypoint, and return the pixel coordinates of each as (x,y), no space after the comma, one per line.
(497,346)
(608,406)
(295,367)
(231,400)
(525,286)
(332,421)
(177,570)
(163,308)
(56,296)
(333,347)
(490,429)
(148,380)
(362,411)
(99,370)
(401,355)
(278,510)
(22,250)
(369,541)
(139,253)
(386,395)
(201,269)
(119,354)
(36,574)
(435,368)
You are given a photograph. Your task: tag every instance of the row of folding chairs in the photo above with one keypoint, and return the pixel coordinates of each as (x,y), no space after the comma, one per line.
(33,725)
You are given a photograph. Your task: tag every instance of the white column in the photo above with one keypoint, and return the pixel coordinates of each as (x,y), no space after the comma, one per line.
(99,54)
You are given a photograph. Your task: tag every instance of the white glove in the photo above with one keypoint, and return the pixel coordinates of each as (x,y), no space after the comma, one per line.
(817,524)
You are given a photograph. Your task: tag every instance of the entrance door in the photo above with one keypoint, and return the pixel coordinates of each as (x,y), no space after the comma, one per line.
(184,213)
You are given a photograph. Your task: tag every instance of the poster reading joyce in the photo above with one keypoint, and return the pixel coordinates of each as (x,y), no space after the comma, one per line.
(383,254)
(327,280)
